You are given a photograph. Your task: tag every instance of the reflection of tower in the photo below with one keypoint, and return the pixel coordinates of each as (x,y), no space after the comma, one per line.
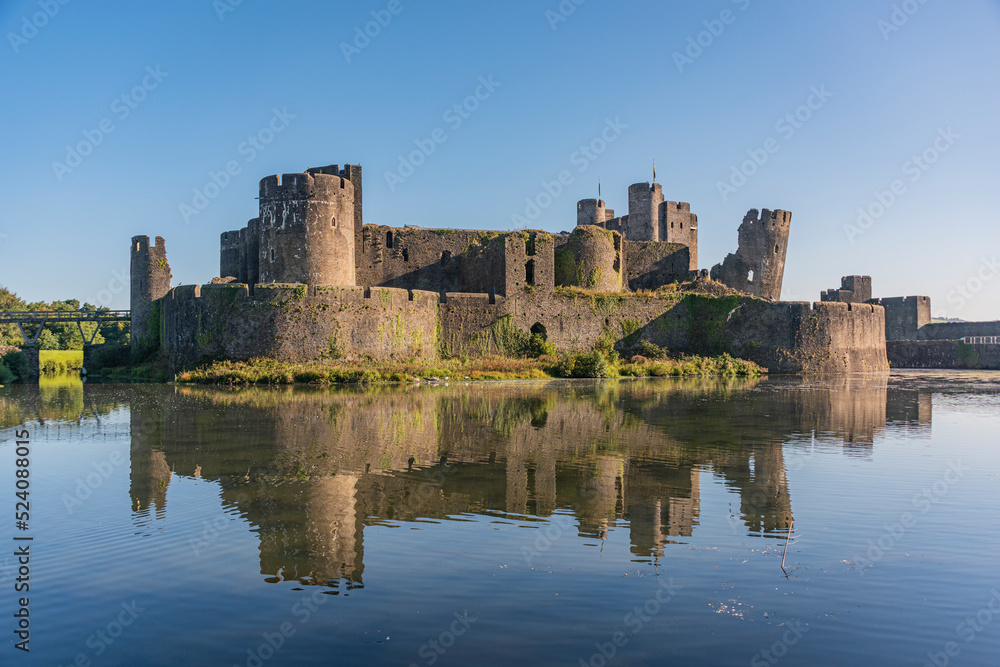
(333,529)
(150,473)
(909,411)
(764,499)
(598,494)
(661,503)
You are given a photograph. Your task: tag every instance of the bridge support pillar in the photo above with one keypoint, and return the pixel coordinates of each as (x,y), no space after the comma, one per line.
(31,352)
(88,357)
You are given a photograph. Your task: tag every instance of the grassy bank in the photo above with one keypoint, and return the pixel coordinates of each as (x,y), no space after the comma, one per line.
(584,365)
(60,361)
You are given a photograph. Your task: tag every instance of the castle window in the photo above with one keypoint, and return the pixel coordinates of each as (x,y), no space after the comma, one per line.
(775,250)
(682,225)
(445,256)
(529,272)
(406,255)
(750,276)
(272,254)
(388,239)
(671,225)
(333,222)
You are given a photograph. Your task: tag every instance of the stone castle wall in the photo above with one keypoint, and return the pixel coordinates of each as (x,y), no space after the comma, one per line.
(301,323)
(649,266)
(296,323)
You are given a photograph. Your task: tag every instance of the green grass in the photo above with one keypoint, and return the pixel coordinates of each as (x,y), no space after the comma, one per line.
(60,361)
(582,365)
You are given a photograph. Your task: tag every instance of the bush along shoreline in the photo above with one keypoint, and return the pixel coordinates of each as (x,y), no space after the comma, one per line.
(590,364)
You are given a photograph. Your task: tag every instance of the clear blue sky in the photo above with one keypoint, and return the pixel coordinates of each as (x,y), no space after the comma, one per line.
(221,75)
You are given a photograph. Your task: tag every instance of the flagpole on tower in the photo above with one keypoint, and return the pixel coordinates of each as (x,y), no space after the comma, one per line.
(654,171)
(598,188)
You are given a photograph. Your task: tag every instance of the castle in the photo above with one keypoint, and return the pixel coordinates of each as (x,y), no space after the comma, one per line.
(307,279)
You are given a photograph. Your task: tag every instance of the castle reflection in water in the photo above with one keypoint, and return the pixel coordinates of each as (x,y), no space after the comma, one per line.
(310,469)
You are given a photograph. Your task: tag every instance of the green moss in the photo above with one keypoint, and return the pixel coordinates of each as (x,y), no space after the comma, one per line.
(594,277)
(967,354)
(385,298)
(631,331)
(707,320)
(333,348)
(444,232)
(398,332)
(301,291)
(607,305)
(566,268)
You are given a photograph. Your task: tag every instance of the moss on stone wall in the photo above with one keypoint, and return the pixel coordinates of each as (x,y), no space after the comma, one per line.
(707,319)
(566,267)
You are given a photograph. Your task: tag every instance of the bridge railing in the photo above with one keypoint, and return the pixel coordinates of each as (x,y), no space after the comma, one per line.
(982,340)
(36,316)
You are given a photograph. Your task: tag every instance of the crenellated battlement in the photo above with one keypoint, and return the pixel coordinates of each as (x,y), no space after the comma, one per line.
(777,216)
(304,186)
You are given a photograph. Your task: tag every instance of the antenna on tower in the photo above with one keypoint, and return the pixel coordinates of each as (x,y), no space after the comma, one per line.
(654,171)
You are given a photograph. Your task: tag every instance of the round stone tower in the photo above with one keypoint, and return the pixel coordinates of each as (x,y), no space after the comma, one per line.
(591,259)
(306,230)
(590,212)
(150,281)
(644,201)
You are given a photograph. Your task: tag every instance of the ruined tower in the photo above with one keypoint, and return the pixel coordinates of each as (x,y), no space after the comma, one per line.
(591,258)
(644,201)
(150,280)
(758,266)
(307,229)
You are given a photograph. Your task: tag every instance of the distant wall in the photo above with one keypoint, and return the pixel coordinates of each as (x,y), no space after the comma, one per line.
(296,323)
(955,330)
(942,354)
(905,316)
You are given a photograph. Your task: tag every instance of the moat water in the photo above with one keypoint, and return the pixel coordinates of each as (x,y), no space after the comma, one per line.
(849,521)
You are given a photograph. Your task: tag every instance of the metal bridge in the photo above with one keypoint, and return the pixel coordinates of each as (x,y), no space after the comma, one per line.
(43,317)
(982,340)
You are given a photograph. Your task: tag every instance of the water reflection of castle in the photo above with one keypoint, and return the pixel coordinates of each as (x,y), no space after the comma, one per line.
(311,469)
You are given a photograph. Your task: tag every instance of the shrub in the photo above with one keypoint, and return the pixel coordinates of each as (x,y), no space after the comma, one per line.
(17,363)
(650,350)
(6,375)
(538,346)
